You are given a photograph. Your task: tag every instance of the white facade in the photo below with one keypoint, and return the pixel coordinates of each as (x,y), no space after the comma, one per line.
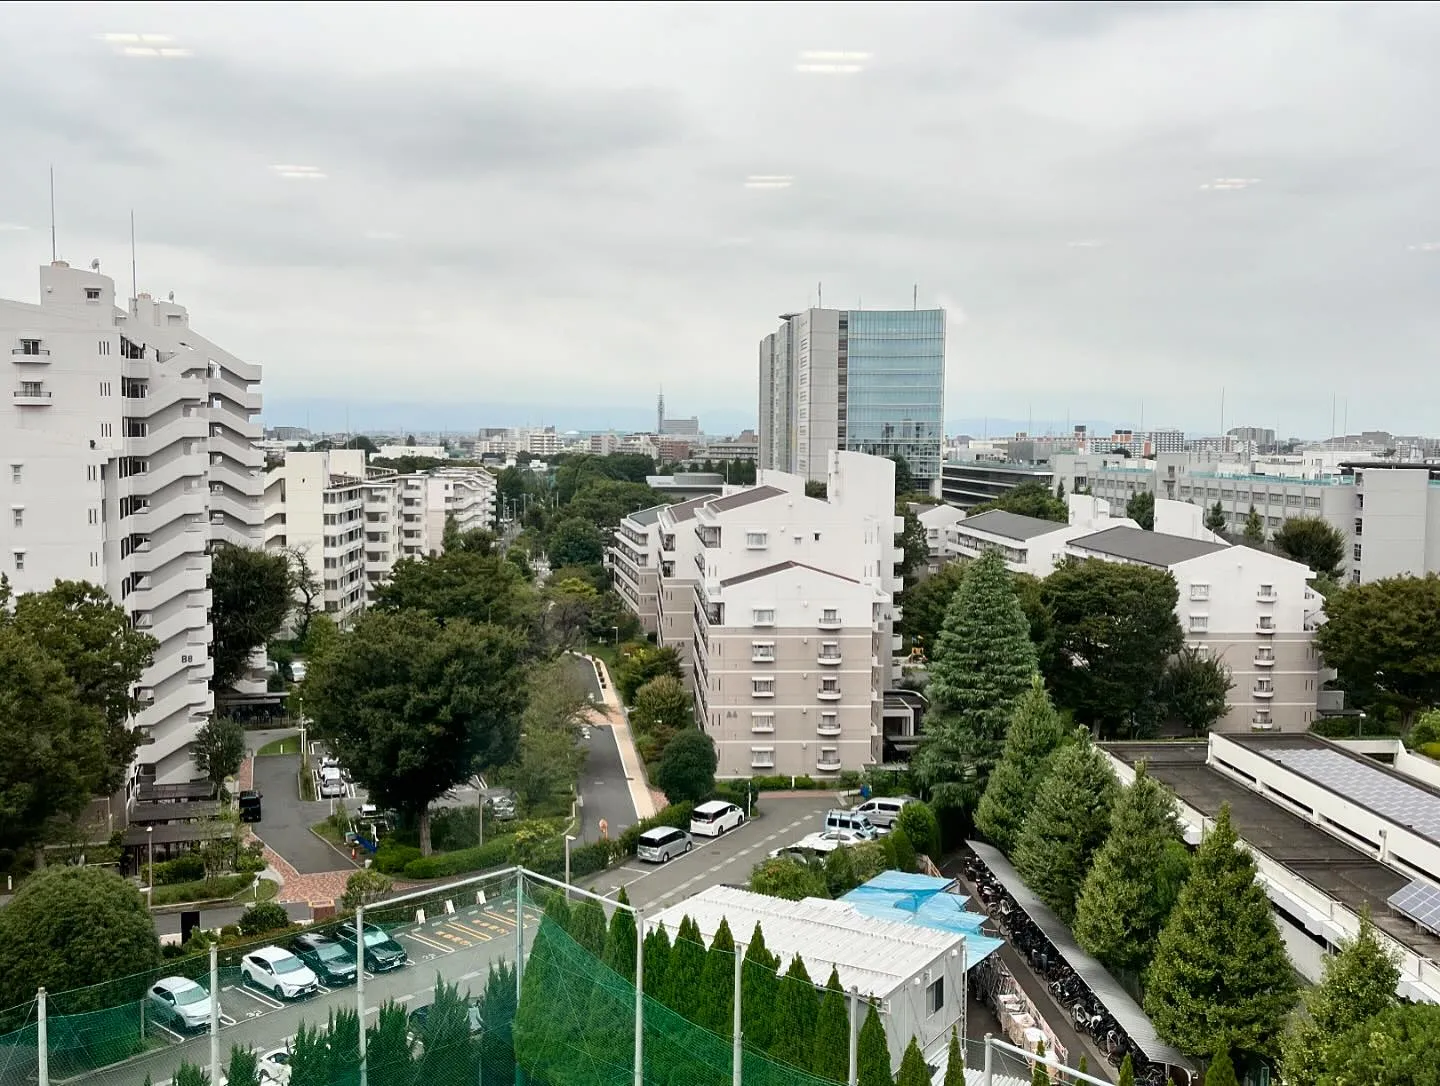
(1028,544)
(1246,607)
(129,449)
(394,452)
(782,609)
(936,520)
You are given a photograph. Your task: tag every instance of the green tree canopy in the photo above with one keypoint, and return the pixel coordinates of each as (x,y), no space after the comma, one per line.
(575,541)
(415,708)
(74,928)
(460,584)
(1028,500)
(830,1052)
(1134,879)
(926,604)
(921,826)
(549,758)
(1195,689)
(605,503)
(1384,640)
(716,1005)
(913,1070)
(1067,822)
(1221,1071)
(657,960)
(1356,984)
(816,488)
(759,988)
(1254,527)
(662,707)
(685,970)
(218,749)
(242,1070)
(1221,977)
(641,663)
(796,1009)
(1395,1048)
(983,663)
(1313,541)
(872,1052)
(1141,509)
(1113,630)
(687,768)
(1035,733)
(955,1058)
(1127,1072)
(904,477)
(790,879)
(389,1053)
(620,939)
(252,593)
(1215,519)
(914,546)
(567,606)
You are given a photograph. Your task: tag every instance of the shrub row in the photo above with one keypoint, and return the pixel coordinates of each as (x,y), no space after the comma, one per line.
(201,889)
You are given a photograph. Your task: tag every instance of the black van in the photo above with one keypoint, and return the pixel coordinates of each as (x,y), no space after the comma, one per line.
(249,803)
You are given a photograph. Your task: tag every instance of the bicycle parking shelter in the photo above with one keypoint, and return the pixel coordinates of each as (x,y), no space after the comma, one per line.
(1096,977)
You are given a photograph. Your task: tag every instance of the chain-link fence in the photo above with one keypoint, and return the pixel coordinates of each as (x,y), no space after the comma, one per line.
(432,979)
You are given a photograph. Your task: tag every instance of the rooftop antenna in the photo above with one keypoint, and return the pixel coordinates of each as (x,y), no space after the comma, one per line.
(1332,416)
(134,282)
(820,295)
(1222,411)
(53,254)
(915,297)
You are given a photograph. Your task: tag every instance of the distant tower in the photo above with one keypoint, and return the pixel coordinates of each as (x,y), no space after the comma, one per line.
(660,412)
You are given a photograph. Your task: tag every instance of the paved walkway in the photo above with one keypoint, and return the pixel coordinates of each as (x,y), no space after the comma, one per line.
(644,797)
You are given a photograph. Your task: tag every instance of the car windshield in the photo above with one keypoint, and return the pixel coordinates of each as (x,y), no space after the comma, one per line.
(374,937)
(286,964)
(193,994)
(330,952)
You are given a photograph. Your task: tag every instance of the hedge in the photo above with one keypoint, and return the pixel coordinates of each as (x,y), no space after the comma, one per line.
(187,868)
(201,890)
(391,858)
(464,861)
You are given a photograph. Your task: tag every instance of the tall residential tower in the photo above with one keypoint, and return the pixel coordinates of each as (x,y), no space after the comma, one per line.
(862,380)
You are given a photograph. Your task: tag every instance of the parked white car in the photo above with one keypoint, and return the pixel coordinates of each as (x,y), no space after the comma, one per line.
(714,818)
(279,972)
(819,844)
(179,1001)
(882,811)
(274,1066)
(332,783)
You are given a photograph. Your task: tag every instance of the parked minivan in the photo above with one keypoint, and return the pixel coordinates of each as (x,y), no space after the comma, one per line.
(884,810)
(853,821)
(714,818)
(663,843)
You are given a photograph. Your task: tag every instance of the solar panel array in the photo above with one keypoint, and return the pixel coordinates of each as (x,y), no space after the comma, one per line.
(1401,803)
(1420,902)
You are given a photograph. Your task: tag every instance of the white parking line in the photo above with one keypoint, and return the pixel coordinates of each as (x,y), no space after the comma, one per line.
(178,1037)
(428,942)
(259,997)
(404,998)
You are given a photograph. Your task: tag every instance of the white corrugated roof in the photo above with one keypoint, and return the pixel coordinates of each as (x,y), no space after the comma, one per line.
(874,956)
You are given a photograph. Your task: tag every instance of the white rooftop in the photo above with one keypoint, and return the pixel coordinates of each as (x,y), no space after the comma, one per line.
(874,956)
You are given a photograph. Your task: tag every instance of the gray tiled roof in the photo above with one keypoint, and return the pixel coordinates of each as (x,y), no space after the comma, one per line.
(1150,548)
(646,516)
(780,567)
(744,497)
(1010,525)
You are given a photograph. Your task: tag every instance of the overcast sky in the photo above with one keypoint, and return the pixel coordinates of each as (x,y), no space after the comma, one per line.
(539,211)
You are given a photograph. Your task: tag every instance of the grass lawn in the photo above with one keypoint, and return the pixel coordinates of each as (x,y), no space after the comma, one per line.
(264,890)
(289,745)
(328,832)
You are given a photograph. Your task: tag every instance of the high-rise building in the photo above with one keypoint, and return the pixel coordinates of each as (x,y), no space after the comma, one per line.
(864,380)
(128,451)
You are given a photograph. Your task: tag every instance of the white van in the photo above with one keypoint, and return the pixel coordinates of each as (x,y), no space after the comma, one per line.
(332,783)
(853,821)
(714,818)
(663,843)
(882,811)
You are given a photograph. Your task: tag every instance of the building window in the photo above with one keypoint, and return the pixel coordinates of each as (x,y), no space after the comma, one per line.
(762,651)
(756,540)
(829,650)
(762,722)
(830,616)
(29,346)
(20,560)
(830,686)
(935,997)
(92,294)
(829,758)
(18,517)
(762,757)
(830,723)
(761,616)
(1199,623)
(1355,552)
(17,472)
(1267,591)
(1199,591)
(762,688)
(1266,622)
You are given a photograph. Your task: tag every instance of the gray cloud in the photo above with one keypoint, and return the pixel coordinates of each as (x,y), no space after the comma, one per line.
(527,201)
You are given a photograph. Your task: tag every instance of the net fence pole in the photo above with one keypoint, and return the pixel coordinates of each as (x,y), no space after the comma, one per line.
(737,1059)
(214,1013)
(989,1076)
(42,1039)
(639,998)
(854,1076)
(519,957)
(360,990)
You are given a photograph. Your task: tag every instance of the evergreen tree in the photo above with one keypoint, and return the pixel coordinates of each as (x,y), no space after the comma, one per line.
(913,1071)
(190,1074)
(587,927)
(343,1047)
(955,1061)
(1357,983)
(620,942)
(1039,1072)
(557,910)
(715,1000)
(1215,519)
(1084,1067)
(831,1051)
(1254,527)
(1128,892)
(759,992)
(498,1013)
(388,1052)
(242,1070)
(981,665)
(1127,1072)
(1221,976)
(1221,1071)
(1066,824)
(448,1054)
(872,1053)
(657,963)
(899,841)
(309,1063)
(1034,734)
(795,1013)
(685,970)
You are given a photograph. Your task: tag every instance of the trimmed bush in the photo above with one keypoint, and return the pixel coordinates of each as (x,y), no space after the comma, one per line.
(187,868)
(202,889)
(391,858)
(266,916)
(462,862)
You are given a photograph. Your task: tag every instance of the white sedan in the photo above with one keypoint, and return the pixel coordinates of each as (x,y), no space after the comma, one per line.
(279,972)
(819,844)
(274,1066)
(180,1002)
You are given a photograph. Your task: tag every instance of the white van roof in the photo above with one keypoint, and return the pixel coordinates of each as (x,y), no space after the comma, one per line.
(714,806)
(655,833)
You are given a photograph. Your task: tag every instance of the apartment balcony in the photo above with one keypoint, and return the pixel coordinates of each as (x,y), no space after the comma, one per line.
(32,397)
(828,762)
(30,355)
(1261,724)
(829,621)
(830,658)
(1266,594)
(828,695)
(1262,692)
(1264,660)
(1262,628)
(828,729)
(762,658)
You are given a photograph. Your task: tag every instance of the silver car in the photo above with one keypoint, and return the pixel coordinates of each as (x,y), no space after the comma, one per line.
(180,1002)
(663,844)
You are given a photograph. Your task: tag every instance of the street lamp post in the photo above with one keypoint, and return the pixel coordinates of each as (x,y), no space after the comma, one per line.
(568,839)
(617,634)
(150,878)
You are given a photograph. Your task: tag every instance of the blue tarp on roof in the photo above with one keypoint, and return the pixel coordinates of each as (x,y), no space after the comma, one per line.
(922,899)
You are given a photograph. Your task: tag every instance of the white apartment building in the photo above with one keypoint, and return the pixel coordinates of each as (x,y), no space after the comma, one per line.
(129,450)
(1251,609)
(782,608)
(394,452)
(1028,544)
(936,520)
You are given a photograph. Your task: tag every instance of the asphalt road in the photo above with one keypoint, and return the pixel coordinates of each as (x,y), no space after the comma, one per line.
(461,947)
(604,790)
(286,819)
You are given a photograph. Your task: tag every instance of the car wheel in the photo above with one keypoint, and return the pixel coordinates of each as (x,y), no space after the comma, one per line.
(689,845)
